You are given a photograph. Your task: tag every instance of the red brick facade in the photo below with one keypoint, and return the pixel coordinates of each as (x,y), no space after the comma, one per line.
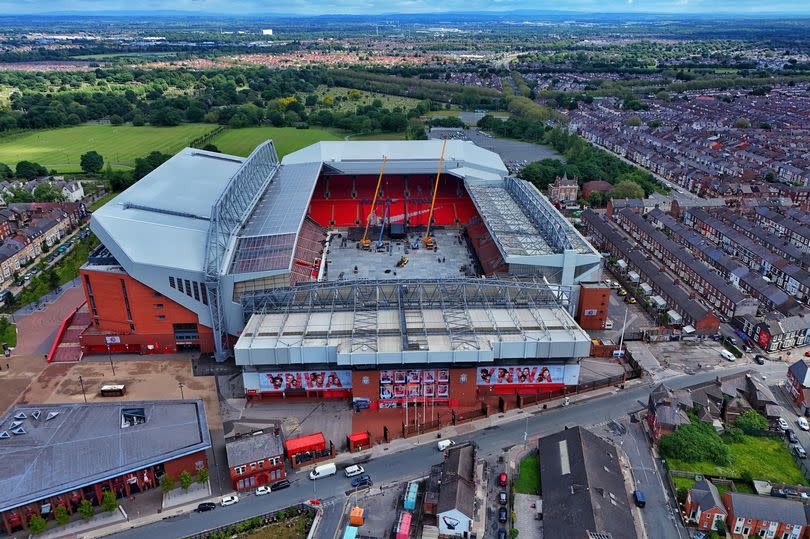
(261,472)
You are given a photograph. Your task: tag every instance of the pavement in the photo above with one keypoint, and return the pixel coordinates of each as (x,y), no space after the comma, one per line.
(407,459)
(525,511)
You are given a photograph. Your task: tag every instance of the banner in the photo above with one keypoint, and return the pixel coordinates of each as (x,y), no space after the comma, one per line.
(305,380)
(528,375)
(414,384)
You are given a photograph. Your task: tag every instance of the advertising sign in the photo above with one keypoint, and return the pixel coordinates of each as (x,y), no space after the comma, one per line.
(528,375)
(306,380)
(414,384)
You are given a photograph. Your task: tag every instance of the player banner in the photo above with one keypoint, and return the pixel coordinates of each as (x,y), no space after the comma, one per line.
(528,375)
(414,384)
(307,380)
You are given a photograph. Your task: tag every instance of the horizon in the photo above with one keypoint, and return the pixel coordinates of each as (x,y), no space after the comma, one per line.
(305,8)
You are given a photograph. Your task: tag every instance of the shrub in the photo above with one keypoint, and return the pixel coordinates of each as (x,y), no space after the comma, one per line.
(734,436)
(109,501)
(166,483)
(513,533)
(37,525)
(750,422)
(681,494)
(86,510)
(202,475)
(62,516)
(185,480)
(695,442)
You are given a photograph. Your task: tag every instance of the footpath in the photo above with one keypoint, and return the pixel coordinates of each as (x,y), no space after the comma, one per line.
(395,446)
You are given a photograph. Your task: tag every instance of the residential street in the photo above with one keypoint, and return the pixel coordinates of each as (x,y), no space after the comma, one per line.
(492,441)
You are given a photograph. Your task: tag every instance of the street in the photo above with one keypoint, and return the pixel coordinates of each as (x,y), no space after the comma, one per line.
(492,442)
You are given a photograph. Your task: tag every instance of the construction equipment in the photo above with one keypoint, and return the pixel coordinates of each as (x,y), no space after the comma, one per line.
(365,243)
(402,262)
(428,241)
(386,215)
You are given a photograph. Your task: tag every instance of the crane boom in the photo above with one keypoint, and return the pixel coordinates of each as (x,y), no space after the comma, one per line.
(365,242)
(386,215)
(428,241)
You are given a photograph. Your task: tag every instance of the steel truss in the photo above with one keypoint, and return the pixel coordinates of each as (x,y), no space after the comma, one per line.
(228,213)
(452,297)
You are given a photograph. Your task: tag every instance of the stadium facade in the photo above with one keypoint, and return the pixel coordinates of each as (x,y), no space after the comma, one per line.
(262,260)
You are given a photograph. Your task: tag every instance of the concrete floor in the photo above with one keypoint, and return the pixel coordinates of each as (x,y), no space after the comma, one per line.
(422,263)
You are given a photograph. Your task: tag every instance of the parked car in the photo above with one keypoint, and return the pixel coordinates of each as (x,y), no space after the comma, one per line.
(229,500)
(206,506)
(803,424)
(759,359)
(622,292)
(362,481)
(444,444)
(262,490)
(501,534)
(790,434)
(728,356)
(278,485)
(807,354)
(630,300)
(502,513)
(782,423)
(639,498)
(502,479)
(351,471)
(799,452)
(502,497)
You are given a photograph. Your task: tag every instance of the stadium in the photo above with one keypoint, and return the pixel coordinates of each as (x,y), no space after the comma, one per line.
(376,271)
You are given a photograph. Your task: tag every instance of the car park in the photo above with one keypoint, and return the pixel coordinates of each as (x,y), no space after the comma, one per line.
(782,423)
(502,497)
(206,506)
(502,513)
(262,490)
(284,483)
(229,500)
(799,452)
(790,434)
(351,471)
(803,424)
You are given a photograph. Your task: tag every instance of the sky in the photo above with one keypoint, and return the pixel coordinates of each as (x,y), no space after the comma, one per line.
(369,7)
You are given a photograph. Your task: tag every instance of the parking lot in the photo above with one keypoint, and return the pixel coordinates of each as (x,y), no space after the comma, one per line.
(692,357)
(637,319)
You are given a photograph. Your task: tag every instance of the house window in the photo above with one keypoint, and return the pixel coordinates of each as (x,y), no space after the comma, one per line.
(239,470)
(161,317)
(261,465)
(252,465)
(158,305)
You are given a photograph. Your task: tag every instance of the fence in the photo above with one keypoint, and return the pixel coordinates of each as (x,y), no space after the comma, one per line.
(202,140)
(244,525)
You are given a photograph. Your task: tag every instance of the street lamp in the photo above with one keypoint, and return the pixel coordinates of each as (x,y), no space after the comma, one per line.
(109,354)
(180,385)
(81,383)
(526,430)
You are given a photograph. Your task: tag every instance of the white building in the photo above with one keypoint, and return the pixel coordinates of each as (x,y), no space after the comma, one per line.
(267,32)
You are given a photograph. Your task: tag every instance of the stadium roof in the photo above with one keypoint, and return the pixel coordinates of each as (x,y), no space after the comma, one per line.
(50,449)
(163,219)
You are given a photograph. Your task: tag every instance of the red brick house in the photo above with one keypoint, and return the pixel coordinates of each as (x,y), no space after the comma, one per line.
(750,515)
(704,505)
(798,383)
(255,460)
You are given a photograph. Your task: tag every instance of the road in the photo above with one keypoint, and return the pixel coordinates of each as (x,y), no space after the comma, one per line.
(416,462)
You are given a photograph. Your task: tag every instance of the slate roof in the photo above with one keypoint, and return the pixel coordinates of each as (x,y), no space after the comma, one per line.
(247,449)
(583,486)
(66,446)
(770,508)
(705,494)
(801,372)
(457,490)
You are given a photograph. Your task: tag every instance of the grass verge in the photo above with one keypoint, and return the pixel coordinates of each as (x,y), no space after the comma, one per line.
(528,481)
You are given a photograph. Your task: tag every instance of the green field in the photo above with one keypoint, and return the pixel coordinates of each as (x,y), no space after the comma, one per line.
(388,101)
(61,149)
(528,481)
(380,136)
(764,457)
(286,139)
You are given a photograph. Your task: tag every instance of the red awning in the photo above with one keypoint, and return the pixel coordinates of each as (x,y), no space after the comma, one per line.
(312,442)
(359,437)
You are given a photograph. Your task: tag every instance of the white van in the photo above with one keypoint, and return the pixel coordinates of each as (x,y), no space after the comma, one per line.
(444,444)
(608,324)
(727,355)
(351,471)
(324,470)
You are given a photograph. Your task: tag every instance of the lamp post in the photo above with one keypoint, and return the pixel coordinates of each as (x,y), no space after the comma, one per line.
(109,354)
(180,385)
(81,383)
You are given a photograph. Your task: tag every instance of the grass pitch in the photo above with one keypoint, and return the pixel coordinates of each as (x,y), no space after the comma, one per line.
(286,139)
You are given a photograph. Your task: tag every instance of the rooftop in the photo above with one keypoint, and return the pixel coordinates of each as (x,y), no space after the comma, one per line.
(49,449)
(253,448)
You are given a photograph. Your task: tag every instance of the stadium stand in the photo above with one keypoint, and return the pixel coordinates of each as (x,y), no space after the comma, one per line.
(488,254)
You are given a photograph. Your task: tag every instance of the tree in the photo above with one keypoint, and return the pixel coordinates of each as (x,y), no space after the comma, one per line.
(47,192)
(92,162)
(734,435)
(86,510)
(37,525)
(513,533)
(108,501)
(29,170)
(185,480)
(210,148)
(750,422)
(116,120)
(62,515)
(634,121)
(595,199)
(542,173)
(742,123)
(145,165)
(52,277)
(166,483)
(5,172)
(696,441)
(202,475)
(721,528)
(626,189)
(311,100)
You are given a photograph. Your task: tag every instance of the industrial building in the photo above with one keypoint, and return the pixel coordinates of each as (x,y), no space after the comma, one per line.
(321,272)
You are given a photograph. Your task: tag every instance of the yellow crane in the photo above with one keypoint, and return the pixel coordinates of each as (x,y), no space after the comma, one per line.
(428,241)
(365,243)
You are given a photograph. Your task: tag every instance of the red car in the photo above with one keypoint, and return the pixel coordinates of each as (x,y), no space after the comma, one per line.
(807,354)
(502,479)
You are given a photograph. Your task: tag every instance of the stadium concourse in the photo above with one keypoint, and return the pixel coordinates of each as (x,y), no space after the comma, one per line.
(314,275)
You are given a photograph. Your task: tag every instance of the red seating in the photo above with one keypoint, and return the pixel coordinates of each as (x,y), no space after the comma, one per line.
(488,254)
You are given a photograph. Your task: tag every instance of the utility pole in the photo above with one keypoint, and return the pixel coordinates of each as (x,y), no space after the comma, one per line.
(81,383)
(180,385)
(624,325)
(109,354)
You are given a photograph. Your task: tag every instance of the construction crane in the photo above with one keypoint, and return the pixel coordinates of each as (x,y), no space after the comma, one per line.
(365,243)
(386,215)
(428,241)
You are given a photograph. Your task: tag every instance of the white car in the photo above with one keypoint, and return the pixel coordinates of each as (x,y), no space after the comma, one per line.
(229,500)
(351,471)
(803,424)
(783,424)
(262,490)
